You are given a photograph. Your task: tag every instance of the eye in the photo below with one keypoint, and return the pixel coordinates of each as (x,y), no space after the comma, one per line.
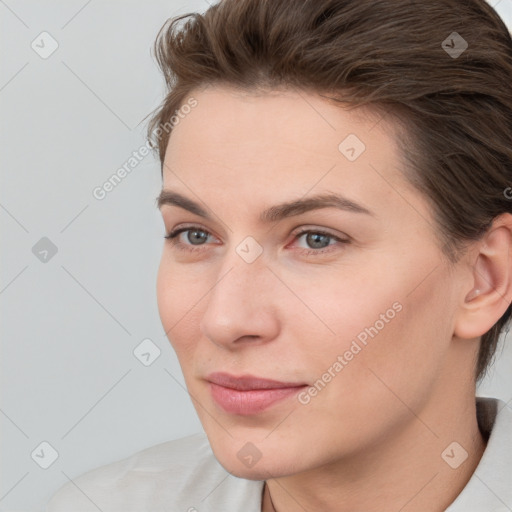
(318,242)
(195,237)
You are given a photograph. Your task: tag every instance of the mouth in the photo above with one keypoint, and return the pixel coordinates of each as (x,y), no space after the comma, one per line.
(248,395)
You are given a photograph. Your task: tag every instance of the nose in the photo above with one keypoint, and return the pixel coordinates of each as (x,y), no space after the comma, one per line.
(241,307)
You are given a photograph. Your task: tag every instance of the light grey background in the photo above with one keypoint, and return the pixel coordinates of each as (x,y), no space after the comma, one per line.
(70,324)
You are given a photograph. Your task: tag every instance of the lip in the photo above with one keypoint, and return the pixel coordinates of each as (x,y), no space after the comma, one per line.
(247,395)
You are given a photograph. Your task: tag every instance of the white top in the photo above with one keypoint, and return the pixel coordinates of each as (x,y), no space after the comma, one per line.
(184,476)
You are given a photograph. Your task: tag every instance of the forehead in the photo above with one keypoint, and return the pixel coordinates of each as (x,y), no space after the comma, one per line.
(300,120)
(259,146)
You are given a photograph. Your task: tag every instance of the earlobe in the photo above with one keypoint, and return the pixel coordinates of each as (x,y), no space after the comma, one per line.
(491,281)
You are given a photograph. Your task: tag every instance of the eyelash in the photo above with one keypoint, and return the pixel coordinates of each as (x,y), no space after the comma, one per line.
(172,237)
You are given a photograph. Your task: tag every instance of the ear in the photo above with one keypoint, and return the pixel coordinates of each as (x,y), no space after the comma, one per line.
(490,293)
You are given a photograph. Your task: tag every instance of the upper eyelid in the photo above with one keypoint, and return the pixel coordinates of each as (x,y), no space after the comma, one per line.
(312,229)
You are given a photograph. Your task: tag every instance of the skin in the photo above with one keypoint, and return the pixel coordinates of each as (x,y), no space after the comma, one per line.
(372,438)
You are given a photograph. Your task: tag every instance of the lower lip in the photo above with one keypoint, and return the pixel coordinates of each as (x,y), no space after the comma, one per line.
(251,401)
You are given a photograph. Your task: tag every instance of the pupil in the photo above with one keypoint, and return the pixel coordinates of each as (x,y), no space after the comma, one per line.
(316,240)
(196,237)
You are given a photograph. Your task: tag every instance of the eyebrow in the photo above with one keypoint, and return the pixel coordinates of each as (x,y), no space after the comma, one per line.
(274,213)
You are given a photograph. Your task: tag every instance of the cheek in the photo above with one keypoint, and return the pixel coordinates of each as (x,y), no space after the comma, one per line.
(401,362)
(165,294)
(177,298)
(378,322)
(378,381)
(348,306)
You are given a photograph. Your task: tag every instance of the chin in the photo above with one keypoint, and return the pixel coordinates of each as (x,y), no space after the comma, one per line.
(238,462)
(250,474)
(259,471)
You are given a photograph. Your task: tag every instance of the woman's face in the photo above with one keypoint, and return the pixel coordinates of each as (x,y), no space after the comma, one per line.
(347,308)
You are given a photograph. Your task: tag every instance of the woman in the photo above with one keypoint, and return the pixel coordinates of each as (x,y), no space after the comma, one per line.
(336,268)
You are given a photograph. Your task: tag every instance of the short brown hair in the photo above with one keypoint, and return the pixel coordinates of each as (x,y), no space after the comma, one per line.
(393,55)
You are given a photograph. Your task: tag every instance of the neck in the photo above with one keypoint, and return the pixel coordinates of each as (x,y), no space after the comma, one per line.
(406,473)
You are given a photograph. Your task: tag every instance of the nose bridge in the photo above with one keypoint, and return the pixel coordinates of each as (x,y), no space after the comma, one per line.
(240,303)
(240,281)
(244,268)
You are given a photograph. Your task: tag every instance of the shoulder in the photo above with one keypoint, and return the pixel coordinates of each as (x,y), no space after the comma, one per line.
(181,475)
(490,487)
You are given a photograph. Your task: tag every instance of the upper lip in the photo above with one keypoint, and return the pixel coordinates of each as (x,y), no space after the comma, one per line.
(248,382)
